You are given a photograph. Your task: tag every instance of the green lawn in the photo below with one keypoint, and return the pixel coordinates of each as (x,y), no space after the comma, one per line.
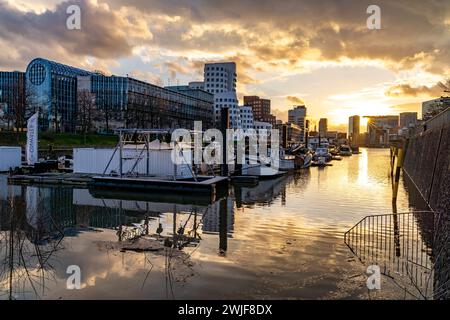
(60,140)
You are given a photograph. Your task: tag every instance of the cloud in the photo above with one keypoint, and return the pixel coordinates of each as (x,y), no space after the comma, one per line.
(295,100)
(280,114)
(263,34)
(104,34)
(408,90)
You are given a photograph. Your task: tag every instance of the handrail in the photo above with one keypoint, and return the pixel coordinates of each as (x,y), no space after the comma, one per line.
(384,215)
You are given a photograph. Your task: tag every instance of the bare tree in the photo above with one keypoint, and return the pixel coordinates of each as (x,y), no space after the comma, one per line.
(87,112)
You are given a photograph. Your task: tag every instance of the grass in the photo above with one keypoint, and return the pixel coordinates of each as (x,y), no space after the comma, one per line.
(60,140)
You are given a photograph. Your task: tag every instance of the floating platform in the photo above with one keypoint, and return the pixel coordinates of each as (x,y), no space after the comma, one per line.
(197,199)
(205,185)
(66,179)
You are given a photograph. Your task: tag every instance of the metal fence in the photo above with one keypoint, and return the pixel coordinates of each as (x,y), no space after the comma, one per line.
(400,244)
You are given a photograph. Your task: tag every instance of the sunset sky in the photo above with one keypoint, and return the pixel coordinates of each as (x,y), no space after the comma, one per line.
(320,52)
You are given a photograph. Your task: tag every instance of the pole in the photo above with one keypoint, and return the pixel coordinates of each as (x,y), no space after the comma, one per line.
(224,125)
(120,154)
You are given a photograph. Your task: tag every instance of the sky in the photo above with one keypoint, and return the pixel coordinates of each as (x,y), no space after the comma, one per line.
(319,52)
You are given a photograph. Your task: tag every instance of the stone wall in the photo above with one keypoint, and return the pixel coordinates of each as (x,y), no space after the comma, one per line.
(427,163)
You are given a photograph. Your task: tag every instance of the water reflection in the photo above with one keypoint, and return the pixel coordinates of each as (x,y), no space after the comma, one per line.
(279,239)
(29,244)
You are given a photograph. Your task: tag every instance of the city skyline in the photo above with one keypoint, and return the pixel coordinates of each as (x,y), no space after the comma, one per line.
(391,70)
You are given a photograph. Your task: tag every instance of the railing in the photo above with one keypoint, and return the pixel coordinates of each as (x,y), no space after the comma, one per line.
(436,122)
(401,244)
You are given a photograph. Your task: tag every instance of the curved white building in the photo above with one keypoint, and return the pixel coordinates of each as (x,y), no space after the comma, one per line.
(220,80)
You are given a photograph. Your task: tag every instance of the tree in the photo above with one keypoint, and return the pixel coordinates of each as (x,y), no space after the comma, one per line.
(87,111)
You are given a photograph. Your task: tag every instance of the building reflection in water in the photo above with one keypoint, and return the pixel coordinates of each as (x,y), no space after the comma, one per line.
(31,234)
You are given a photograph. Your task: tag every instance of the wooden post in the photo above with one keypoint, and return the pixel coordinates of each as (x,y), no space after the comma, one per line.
(398,168)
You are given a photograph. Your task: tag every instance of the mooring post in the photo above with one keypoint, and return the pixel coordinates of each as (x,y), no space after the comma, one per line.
(398,168)
(224,125)
(223,226)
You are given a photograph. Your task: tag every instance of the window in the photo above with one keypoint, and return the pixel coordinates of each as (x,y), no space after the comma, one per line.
(37,74)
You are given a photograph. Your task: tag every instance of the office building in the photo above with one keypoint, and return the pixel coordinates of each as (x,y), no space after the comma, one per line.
(53,90)
(323,126)
(433,107)
(381,130)
(408,119)
(220,80)
(197,85)
(297,116)
(247,119)
(354,123)
(124,101)
(12,99)
(263,126)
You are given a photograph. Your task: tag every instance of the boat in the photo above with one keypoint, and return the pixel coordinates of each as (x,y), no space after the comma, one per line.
(333,150)
(322,152)
(345,151)
(302,156)
(355,150)
(287,163)
(320,162)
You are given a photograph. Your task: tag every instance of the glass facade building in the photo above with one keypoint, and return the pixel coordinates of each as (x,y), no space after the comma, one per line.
(142,105)
(52,88)
(12,96)
(127,102)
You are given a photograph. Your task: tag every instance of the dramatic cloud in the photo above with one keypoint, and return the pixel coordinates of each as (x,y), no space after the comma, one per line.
(271,41)
(104,34)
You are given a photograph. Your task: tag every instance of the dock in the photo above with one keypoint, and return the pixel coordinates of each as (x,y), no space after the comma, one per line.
(205,185)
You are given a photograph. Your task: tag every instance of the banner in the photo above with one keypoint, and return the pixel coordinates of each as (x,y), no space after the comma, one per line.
(32,139)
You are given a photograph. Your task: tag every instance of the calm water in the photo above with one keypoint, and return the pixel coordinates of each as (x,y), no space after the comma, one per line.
(281,239)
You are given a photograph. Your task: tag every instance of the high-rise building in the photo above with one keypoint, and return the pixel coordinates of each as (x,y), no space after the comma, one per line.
(408,119)
(220,80)
(323,126)
(297,116)
(354,123)
(12,98)
(125,101)
(381,129)
(261,107)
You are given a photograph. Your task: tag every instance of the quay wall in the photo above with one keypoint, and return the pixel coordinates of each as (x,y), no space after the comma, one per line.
(427,163)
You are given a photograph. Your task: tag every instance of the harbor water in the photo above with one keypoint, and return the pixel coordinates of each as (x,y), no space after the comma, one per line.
(282,239)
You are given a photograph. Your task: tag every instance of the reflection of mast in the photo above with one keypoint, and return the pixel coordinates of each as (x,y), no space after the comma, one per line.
(223,233)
